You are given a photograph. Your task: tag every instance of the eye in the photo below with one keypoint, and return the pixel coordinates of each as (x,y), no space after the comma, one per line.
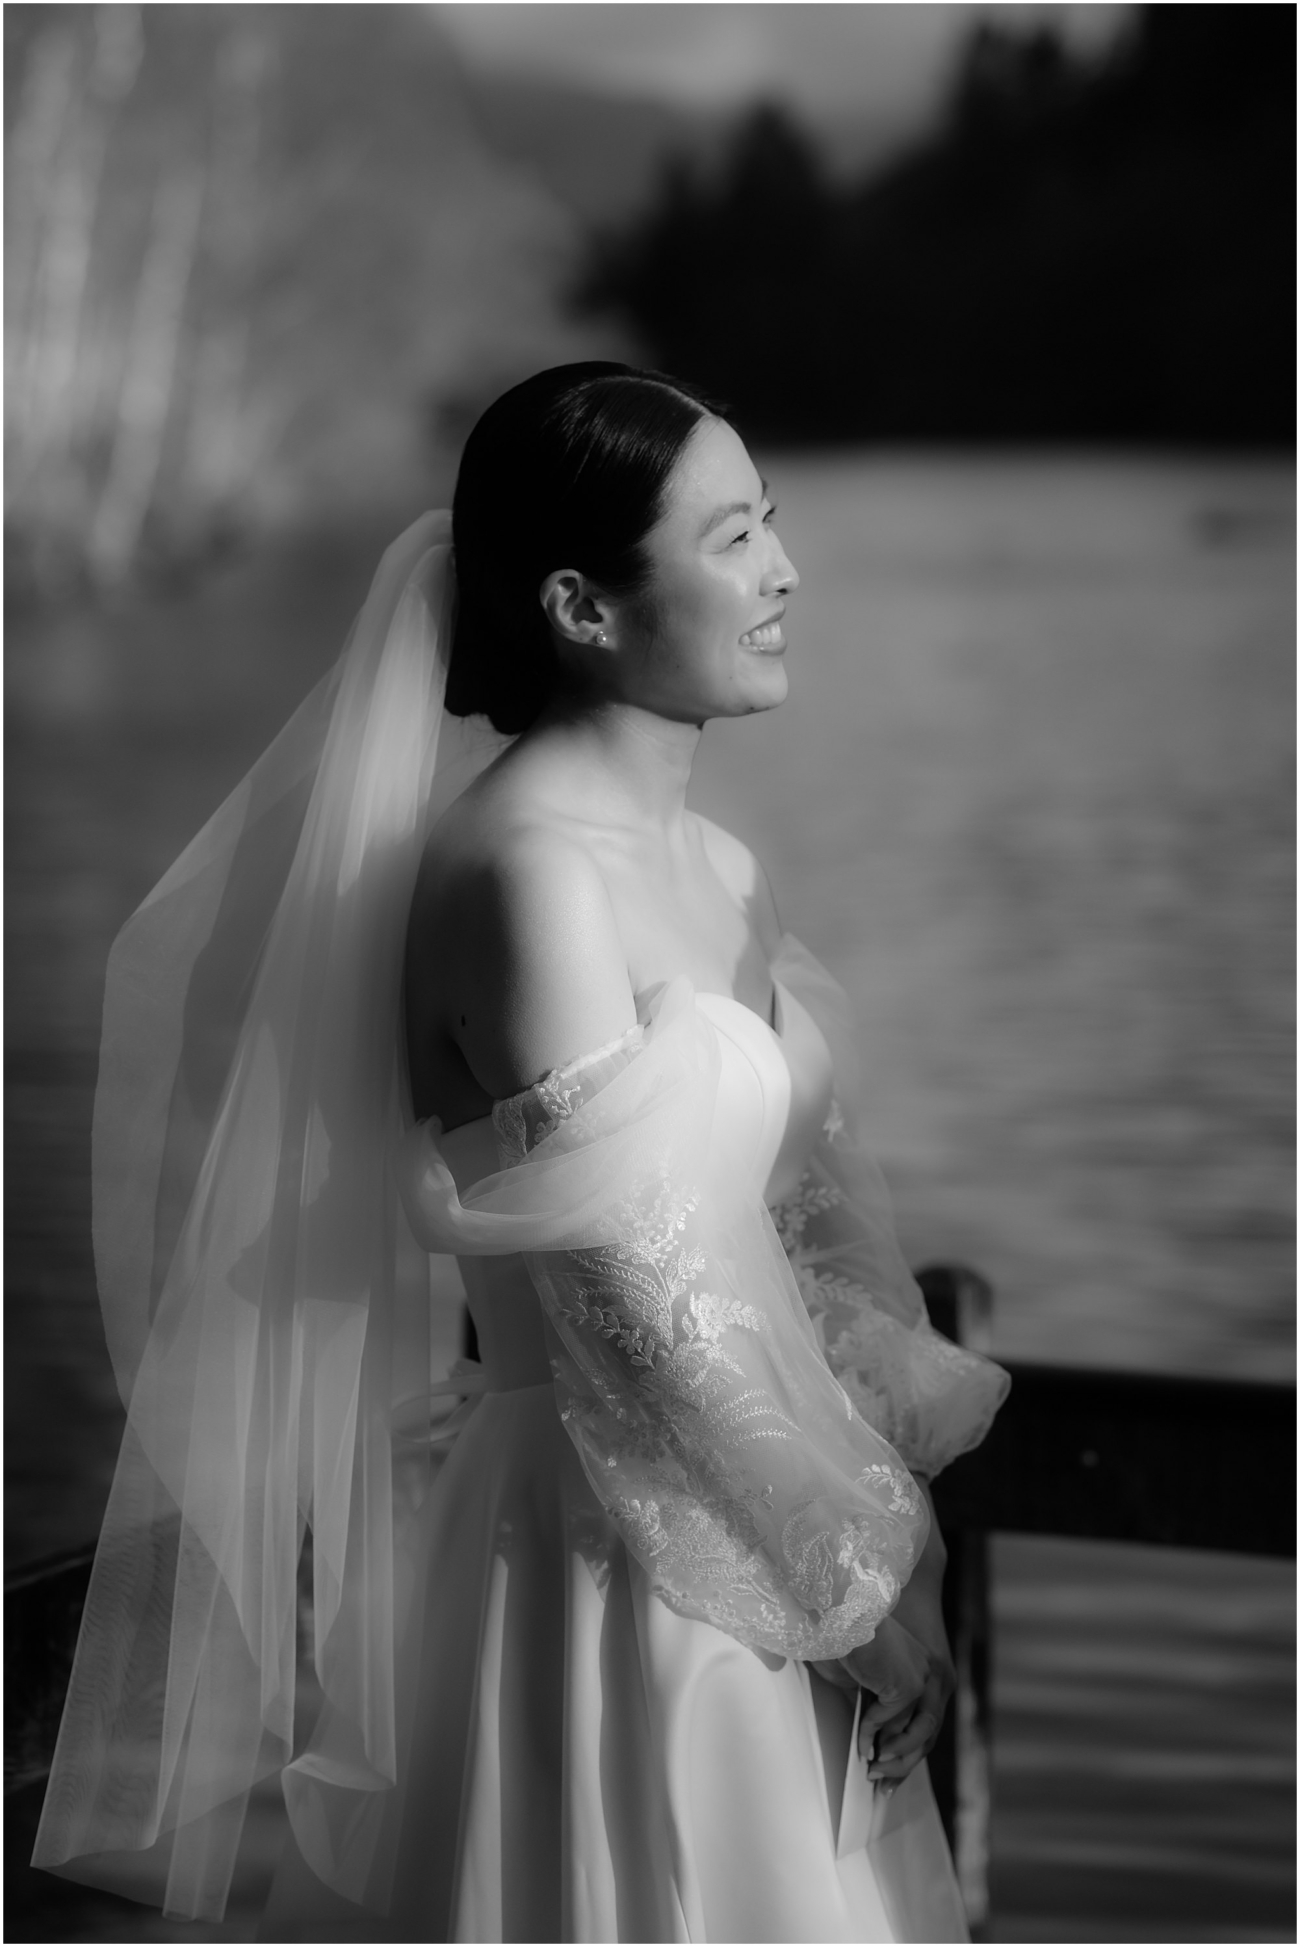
(769,517)
(736,539)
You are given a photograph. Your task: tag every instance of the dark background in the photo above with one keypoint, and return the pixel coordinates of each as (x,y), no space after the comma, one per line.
(1082,250)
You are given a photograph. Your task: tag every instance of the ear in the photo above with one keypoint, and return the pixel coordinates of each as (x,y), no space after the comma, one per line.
(574,609)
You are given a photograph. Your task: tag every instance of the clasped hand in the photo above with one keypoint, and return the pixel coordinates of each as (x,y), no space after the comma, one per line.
(909,1674)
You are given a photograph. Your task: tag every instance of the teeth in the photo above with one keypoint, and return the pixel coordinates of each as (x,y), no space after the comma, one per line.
(763,638)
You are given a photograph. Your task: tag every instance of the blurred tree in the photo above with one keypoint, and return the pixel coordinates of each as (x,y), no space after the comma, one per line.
(245,247)
(1081,251)
(720,272)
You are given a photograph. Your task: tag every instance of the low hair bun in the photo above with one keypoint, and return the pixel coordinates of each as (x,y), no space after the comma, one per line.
(499,668)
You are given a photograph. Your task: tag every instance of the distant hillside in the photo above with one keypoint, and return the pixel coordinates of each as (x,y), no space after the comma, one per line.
(1076,253)
(599,154)
(257,259)
(604,155)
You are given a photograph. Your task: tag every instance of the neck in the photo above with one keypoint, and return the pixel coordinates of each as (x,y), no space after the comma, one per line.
(624,764)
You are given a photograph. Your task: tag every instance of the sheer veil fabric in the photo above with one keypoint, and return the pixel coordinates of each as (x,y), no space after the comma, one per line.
(264,1302)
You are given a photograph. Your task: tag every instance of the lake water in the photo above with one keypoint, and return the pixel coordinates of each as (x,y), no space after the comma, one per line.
(1031,799)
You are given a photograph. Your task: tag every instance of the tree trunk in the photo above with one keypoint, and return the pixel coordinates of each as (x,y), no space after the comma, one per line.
(153,350)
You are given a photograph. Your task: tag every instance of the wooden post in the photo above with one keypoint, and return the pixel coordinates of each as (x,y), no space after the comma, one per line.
(966,1613)
(960,1304)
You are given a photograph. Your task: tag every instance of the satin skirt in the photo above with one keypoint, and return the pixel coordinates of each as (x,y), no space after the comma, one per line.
(580,1763)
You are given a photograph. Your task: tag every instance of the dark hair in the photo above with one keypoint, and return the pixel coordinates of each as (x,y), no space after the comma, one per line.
(567,470)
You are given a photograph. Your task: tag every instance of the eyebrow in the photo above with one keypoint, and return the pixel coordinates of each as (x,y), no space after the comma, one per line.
(721,514)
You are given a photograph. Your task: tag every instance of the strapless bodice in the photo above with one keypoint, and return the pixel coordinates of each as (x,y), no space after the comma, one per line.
(774,1091)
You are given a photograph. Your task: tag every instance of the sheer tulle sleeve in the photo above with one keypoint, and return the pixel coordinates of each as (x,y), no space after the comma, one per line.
(930,1398)
(687,1372)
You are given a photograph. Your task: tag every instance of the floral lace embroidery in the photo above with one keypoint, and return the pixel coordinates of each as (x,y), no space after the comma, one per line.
(511,1129)
(687,1546)
(630,1292)
(658,1391)
(700,1531)
(807,1547)
(929,1398)
(791,1216)
(558,1098)
(902,1489)
(524,1120)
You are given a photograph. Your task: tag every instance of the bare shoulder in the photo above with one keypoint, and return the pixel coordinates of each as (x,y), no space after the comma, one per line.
(744,878)
(514,934)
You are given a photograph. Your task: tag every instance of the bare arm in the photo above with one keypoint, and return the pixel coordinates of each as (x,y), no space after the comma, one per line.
(540,973)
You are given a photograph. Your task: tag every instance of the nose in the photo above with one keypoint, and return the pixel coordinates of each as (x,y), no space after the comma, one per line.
(781,577)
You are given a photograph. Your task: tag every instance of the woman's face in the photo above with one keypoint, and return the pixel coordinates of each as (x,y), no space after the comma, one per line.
(705,639)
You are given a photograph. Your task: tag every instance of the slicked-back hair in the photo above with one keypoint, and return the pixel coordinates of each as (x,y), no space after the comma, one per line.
(567,470)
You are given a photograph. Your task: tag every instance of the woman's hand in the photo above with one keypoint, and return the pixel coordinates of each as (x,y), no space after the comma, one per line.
(911,1680)
(902,1740)
(905,1734)
(894,1667)
(908,1668)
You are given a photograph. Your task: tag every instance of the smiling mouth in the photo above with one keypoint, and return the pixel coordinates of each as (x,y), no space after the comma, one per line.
(768,637)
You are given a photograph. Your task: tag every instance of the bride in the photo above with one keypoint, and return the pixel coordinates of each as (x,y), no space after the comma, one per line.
(642,1640)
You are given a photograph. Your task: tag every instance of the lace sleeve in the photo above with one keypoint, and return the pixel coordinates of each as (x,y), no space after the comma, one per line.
(687,1374)
(929,1398)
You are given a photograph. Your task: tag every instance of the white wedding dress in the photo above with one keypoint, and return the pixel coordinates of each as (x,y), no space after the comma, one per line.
(564,1670)
(610,1732)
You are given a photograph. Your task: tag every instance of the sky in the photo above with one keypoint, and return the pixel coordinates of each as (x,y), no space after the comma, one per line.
(887,61)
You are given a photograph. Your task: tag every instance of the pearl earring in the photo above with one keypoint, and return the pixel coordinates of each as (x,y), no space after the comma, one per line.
(602,638)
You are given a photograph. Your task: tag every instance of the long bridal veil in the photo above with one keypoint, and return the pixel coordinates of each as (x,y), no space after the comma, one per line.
(264,1302)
